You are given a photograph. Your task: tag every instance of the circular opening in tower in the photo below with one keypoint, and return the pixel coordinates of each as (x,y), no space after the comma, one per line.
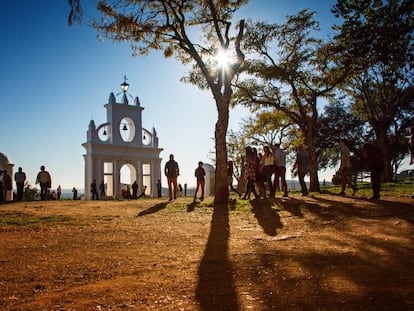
(127,129)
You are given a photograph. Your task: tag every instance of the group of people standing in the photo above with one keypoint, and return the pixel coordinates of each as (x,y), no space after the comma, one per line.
(259,169)
(43,179)
(266,172)
(94,190)
(269,169)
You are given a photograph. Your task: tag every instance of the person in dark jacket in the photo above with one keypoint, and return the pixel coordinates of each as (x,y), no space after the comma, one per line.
(94,190)
(374,157)
(302,164)
(172,170)
(134,190)
(20,178)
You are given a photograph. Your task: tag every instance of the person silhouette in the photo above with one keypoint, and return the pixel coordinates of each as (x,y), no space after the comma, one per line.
(43,178)
(134,189)
(200,174)
(102,189)
(75,193)
(172,171)
(94,190)
(20,178)
(159,188)
(59,192)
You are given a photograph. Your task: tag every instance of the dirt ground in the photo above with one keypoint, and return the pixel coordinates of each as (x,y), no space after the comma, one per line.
(322,252)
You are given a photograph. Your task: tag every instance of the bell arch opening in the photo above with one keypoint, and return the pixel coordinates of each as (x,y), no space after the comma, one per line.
(127,129)
(128,175)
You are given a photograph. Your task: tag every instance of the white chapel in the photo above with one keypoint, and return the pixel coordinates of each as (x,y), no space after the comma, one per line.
(121,144)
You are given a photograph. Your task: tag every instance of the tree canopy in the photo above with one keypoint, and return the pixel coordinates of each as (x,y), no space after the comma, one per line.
(377,48)
(290,70)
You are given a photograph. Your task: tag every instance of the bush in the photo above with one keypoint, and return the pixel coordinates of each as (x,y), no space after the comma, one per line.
(336,179)
(29,193)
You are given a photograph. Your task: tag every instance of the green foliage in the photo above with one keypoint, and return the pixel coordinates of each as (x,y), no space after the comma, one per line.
(335,123)
(266,127)
(29,220)
(404,188)
(29,193)
(376,32)
(236,144)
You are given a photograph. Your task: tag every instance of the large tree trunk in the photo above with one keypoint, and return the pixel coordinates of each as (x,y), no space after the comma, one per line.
(221,193)
(313,173)
(309,130)
(313,169)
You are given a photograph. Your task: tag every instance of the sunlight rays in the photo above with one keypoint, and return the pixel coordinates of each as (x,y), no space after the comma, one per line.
(223,58)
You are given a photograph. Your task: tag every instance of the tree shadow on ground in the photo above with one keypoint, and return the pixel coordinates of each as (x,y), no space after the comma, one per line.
(216,289)
(267,217)
(353,270)
(327,278)
(293,206)
(330,209)
(153,209)
(191,206)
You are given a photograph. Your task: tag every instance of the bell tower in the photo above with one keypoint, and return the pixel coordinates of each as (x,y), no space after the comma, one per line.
(118,142)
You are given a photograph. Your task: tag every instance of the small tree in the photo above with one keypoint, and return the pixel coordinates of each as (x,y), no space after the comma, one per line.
(266,127)
(335,123)
(29,193)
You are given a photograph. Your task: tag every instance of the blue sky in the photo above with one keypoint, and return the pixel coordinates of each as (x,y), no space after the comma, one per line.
(55,79)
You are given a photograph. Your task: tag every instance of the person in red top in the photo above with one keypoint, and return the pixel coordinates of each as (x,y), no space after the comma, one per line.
(199,174)
(374,157)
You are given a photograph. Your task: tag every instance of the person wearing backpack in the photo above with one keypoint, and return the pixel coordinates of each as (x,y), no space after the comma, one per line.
(172,171)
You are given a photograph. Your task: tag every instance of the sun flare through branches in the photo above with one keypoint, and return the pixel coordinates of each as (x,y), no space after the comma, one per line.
(223,58)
